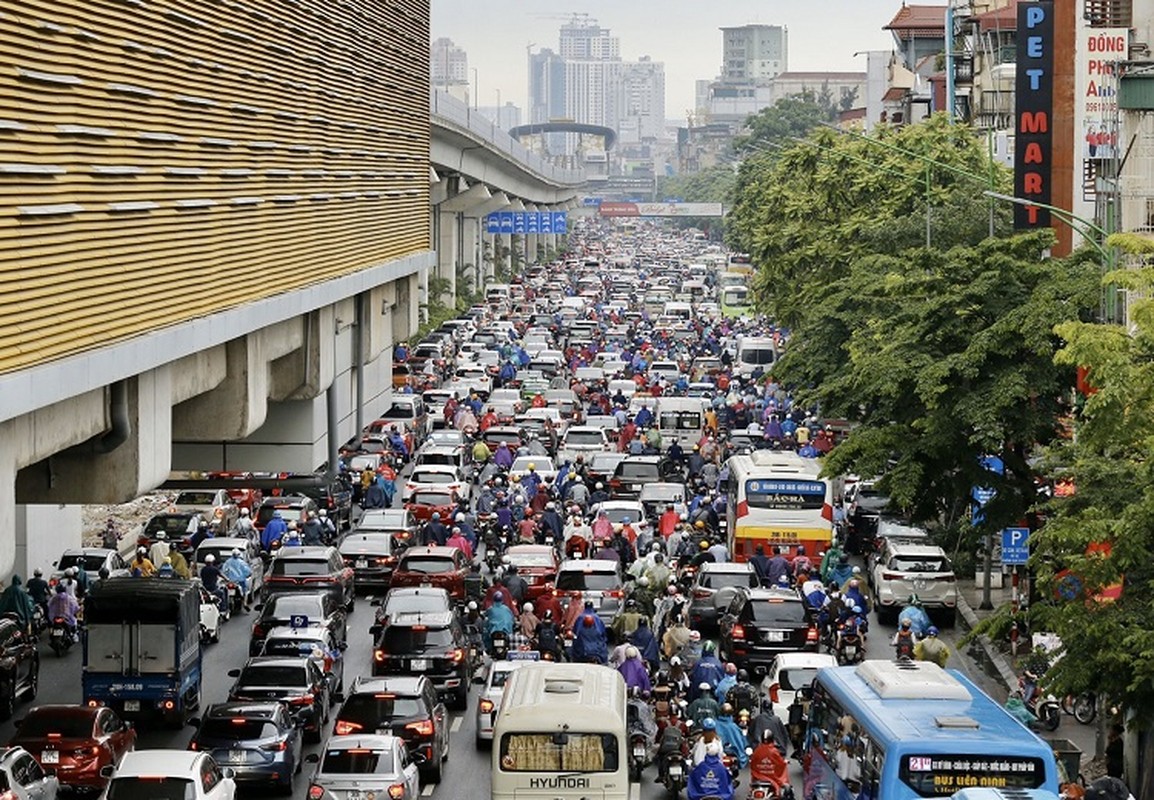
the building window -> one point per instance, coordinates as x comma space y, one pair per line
1110, 13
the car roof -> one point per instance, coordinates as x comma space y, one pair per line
226, 541
413, 591
276, 661
87, 551
409, 619
644, 459
306, 552
900, 547
307, 632
589, 565
727, 566
802, 660
138, 763
770, 593
430, 550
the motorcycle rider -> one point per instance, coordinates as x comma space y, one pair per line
704, 708
210, 579
498, 617
634, 671
236, 570
768, 723
63, 606
1037, 665
38, 589
708, 669
743, 694
768, 765
932, 648
244, 528
159, 550
589, 640
328, 528
732, 737
179, 562
905, 640
548, 636
142, 564
274, 531
710, 777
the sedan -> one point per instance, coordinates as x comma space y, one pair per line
260, 742
433, 476
24, 779
93, 559
170, 773
371, 557
365, 766
75, 741
297, 682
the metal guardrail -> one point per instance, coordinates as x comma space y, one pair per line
457, 113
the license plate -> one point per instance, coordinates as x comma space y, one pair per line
675, 770
775, 636
638, 751
50, 757
362, 563
352, 794
57, 632
237, 756
131, 705
419, 664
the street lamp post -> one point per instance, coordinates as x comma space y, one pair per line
474, 88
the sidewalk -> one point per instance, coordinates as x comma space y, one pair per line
1001, 669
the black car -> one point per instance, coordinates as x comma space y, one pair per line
760, 623
403, 706
409, 599
370, 555
429, 644
866, 510
311, 569
299, 683
636, 471
260, 742
331, 494
317, 608
19, 667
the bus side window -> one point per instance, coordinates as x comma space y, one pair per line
871, 773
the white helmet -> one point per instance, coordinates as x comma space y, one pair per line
209, 559
236, 552
244, 511
527, 607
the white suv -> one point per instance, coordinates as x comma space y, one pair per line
905, 568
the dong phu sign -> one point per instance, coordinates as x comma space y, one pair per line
1034, 112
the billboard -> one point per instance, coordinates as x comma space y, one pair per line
1033, 113
1098, 51
635, 209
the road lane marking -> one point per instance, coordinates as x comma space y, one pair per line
428, 790
635, 791
456, 726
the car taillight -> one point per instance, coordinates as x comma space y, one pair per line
773, 692
316, 792
811, 635
614, 593
344, 727
485, 706
457, 655
193, 745
422, 728
275, 747
378, 655
701, 594
258, 631
737, 631
303, 700
891, 576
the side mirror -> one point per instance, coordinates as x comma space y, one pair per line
304, 716
107, 771
234, 673
417, 759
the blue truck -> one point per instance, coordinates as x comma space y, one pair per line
142, 653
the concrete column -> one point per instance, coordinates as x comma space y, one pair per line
42, 533
471, 249
450, 239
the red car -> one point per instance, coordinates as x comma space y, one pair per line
444, 567
424, 502
76, 741
537, 564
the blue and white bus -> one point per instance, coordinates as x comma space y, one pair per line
885, 730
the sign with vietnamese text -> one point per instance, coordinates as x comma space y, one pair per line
669, 209
1015, 546
1033, 112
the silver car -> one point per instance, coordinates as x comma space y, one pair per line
21, 778
354, 767
490, 698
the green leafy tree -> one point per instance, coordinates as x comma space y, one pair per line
1109, 646
785, 119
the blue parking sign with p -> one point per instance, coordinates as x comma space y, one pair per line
1015, 545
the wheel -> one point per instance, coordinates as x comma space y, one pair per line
214, 637
1085, 708
435, 774
58, 648
1050, 716
33, 682
887, 616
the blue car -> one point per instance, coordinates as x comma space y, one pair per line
260, 742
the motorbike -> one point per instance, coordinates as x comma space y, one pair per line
850, 650
638, 754
500, 645
798, 716
675, 770
904, 649
1044, 706
60, 636
1083, 707
39, 622
235, 597
767, 790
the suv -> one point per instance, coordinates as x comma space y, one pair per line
429, 644
310, 569
760, 623
404, 706
171, 773
905, 568
299, 683
445, 567
371, 557
19, 666
318, 608
713, 588
425, 599
632, 474
592, 579
332, 495
292, 508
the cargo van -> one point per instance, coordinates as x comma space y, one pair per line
754, 352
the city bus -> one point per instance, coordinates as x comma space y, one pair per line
739, 262
735, 301
560, 730
886, 730
776, 497
727, 279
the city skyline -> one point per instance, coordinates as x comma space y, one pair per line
691, 50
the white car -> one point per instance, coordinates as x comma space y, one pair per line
490, 697
620, 510
24, 779
542, 465
186, 774
370, 765
790, 672
669, 370
582, 440
435, 476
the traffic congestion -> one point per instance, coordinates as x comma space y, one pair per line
589, 549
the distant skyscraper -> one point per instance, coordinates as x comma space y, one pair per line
642, 103
753, 53
546, 86
585, 40
448, 64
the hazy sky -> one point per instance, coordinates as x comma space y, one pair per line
823, 36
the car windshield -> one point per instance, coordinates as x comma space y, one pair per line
429, 476
919, 564
46, 722
355, 761
286, 675
196, 498
287, 605
618, 515
297, 567
92, 563
171, 524
574, 580
797, 678
377, 544
584, 438
238, 729
726, 580
151, 788
407, 603
287, 513
432, 498
428, 565
773, 612
416, 638
634, 471
399, 412
680, 420
372, 711
758, 356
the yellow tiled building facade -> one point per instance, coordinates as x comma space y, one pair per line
162, 160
